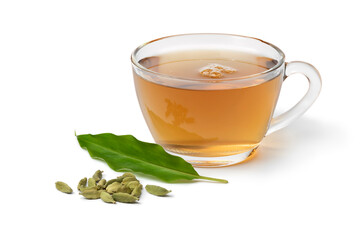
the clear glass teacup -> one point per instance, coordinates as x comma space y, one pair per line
210, 98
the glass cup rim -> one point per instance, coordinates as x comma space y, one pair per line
247, 77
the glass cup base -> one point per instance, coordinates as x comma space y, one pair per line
216, 161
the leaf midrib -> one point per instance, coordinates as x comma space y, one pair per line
110, 150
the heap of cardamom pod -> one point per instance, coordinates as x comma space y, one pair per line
125, 188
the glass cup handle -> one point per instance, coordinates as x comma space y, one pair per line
313, 76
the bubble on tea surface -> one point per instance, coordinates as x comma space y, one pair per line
215, 70
213, 73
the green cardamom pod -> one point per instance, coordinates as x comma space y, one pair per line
112, 181
132, 184
156, 190
82, 184
97, 175
129, 179
91, 182
106, 197
124, 197
114, 187
101, 183
137, 191
124, 188
128, 174
91, 193
63, 187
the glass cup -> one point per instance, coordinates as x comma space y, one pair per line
211, 121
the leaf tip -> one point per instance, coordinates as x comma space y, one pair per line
214, 179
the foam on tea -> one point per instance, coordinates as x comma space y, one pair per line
224, 117
215, 70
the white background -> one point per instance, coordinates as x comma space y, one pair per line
65, 66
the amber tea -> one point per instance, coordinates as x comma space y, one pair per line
209, 110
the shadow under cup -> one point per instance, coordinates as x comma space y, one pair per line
209, 121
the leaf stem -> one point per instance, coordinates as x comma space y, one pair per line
213, 179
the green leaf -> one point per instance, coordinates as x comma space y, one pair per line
125, 152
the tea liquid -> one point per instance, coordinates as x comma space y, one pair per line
215, 115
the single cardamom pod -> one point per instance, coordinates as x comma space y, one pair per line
129, 179
132, 184
63, 187
114, 187
82, 184
106, 197
112, 181
101, 183
124, 188
128, 174
91, 182
97, 175
137, 191
124, 197
120, 178
156, 190
91, 193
